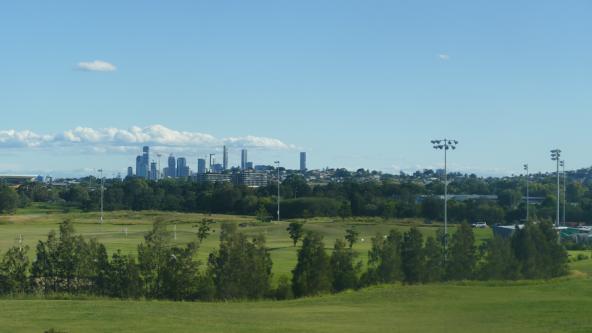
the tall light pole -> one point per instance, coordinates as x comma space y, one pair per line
527, 191
564, 190
445, 144
556, 156
277, 163
102, 190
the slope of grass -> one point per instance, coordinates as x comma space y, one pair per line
556, 306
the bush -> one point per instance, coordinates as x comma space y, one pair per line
295, 208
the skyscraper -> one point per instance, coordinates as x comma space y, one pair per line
146, 162
225, 158
303, 162
201, 166
139, 166
244, 159
172, 168
182, 168
153, 171
130, 171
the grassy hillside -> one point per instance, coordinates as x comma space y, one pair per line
556, 306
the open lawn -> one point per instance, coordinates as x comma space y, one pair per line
536, 306
555, 306
35, 223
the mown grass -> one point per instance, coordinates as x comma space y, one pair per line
555, 306
34, 223
526, 306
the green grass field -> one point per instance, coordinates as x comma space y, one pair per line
35, 223
556, 306
553, 306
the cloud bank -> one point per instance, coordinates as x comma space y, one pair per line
122, 140
96, 66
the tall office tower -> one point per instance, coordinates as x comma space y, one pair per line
201, 166
249, 166
172, 169
302, 162
146, 161
130, 171
153, 171
244, 159
182, 169
225, 158
139, 167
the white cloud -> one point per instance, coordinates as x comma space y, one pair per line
443, 56
125, 140
96, 66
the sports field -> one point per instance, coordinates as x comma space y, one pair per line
536, 306
35, 223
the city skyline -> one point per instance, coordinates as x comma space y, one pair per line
357, 86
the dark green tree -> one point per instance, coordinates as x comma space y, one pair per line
351, 236
153, 256
124, 277
499, 262
345, 210
384, 259
9, 200
462, 255
13, 270
343, 270
295, 230
203, 229
262, 214
240, 269
413, 257
312, 274
434, 260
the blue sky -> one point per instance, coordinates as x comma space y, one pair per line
354, 83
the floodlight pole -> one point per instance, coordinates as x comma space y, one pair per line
102, 190
527, 191
445, 144
277, 163
564, 190
446, 197
556, 156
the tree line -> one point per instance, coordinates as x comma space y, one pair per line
241, 267
401, 197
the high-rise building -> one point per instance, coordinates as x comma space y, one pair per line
139, 167
182, 168
172, 167
303, 162
244, 159
153, 171
201, 166
130, 171
225, 158
146, 162
249, 166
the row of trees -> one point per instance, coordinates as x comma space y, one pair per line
531, 253
391, 197
241, 268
